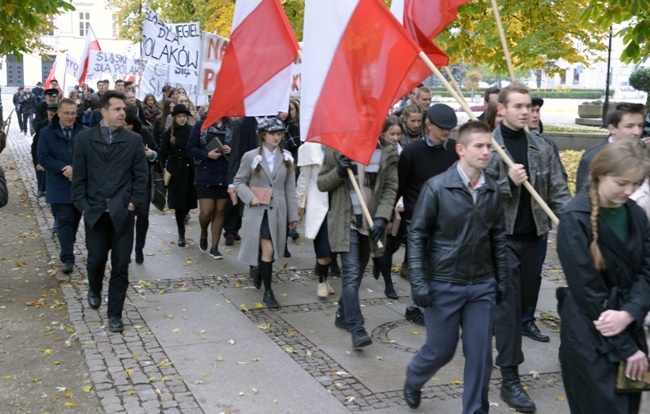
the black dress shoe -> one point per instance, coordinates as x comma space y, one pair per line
513, 393
257, 276
94, 300
67, 267
339, 322
412, 396
390, 293
414, 315
294, 234
181, 242
361, 338
532, 331
115, 324
139, 256
269, 300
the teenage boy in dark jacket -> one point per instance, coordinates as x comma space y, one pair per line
458, 268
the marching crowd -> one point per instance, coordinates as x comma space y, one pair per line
475, 239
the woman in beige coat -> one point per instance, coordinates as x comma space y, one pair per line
265, 170
316, 205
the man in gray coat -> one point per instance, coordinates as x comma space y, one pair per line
108, 185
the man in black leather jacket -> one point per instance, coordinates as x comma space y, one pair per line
458, 268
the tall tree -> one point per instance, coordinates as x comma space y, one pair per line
633, 15
23, 22
537, 32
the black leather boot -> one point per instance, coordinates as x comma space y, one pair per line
513, 393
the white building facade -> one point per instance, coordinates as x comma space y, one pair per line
68, 36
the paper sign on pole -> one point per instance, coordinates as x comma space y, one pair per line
213, 48
72, 66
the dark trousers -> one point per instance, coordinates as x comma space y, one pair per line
142, 219
66, 218
21, 123
353, 264
232, 219
529, 314
523, 265
470, 307
101, 238
40, 180
28, 122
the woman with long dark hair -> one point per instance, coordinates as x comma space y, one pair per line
209, 149
133, 123
181, 195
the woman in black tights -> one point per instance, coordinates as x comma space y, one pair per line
181, 194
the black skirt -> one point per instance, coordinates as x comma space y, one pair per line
214, 192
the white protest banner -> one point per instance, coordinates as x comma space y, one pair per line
213, 48
189, 32
72, 66
114, 64
296, 77
156, 75
161, 42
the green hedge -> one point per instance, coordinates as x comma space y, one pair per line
542, 93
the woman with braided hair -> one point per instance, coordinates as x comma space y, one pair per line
603, 243
266, 184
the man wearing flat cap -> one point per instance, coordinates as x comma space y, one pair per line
51, 96
421, 160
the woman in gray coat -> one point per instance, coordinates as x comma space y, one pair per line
265, 182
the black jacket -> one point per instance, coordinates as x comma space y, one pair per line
582, 176
452, 239
244, 139
4, 194
108, 176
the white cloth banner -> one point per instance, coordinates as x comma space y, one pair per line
115, 64
213, 48
174, 45
156, 75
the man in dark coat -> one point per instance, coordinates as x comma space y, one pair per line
55, 149
18, 107
624, 121
51, 96
110, 178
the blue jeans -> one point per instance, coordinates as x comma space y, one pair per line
67, 222
529, 314
353, 264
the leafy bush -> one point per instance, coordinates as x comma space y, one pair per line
640, 80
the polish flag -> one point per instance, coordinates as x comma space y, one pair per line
424, 20
91, 44
355, 59
255, 75
50, 77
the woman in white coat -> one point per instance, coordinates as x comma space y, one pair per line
316, 205
266, 184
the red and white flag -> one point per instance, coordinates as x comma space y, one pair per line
355, 59
255, 75
91, 44
424, 20
50, 77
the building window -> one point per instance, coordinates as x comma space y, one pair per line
563, 77
116, 28
576, 76
84, 23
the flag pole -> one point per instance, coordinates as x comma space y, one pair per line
451, 77
502, 35
495, 145
362, 202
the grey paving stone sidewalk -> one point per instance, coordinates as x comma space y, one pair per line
197, 339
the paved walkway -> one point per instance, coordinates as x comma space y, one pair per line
198, 340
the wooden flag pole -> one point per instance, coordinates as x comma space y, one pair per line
363, 203
495, 144
502, 35
451, 77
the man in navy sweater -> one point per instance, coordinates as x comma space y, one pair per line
421, 160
